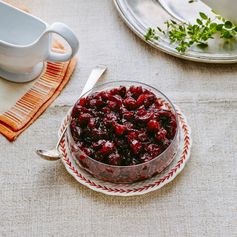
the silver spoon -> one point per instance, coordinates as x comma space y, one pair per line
55, 154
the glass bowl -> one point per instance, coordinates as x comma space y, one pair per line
133, 173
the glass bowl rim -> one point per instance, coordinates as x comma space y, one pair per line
125, 81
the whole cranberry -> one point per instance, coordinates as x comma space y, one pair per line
83, 102
144, 118
130, 103
96, 134
114, 159
153, 126
112, 105
107, 148
111, 116
114, 91
107, 122
78, 131
146, 99
87, 151
132, 135
166, 143
145, 157
92, 123
141, 111
142, 136
92, 103
117, 99
154, 150
136, 91
76, 110
164, 114
136, 146
122, 91
158, 104
106, 110
128, 115
149, 100
161, 134
129, 126
141, 99
171, 133
104, 95
119, 129
83, 119
98, 144
73, 125
99, 103
173, 122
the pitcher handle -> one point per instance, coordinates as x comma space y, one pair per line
65, 32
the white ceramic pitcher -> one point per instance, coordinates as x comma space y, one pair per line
25, 43
225, 8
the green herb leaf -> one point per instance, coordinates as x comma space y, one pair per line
199, 21
226, 34
219, 27
149, 35
202, 45
174, 22
228, 24
159, 29
203, 15
213, 25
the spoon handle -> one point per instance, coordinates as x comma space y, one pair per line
95, 75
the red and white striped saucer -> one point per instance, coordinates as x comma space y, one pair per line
137, 188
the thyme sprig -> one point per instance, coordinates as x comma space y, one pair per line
186, 34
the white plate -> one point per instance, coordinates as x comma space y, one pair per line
137, 188
139, 15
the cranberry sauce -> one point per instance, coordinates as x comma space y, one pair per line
122, 126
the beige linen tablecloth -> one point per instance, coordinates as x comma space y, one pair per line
39, 198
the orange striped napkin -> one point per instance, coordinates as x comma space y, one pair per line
35, 101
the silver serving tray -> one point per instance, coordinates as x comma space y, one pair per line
139, 15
